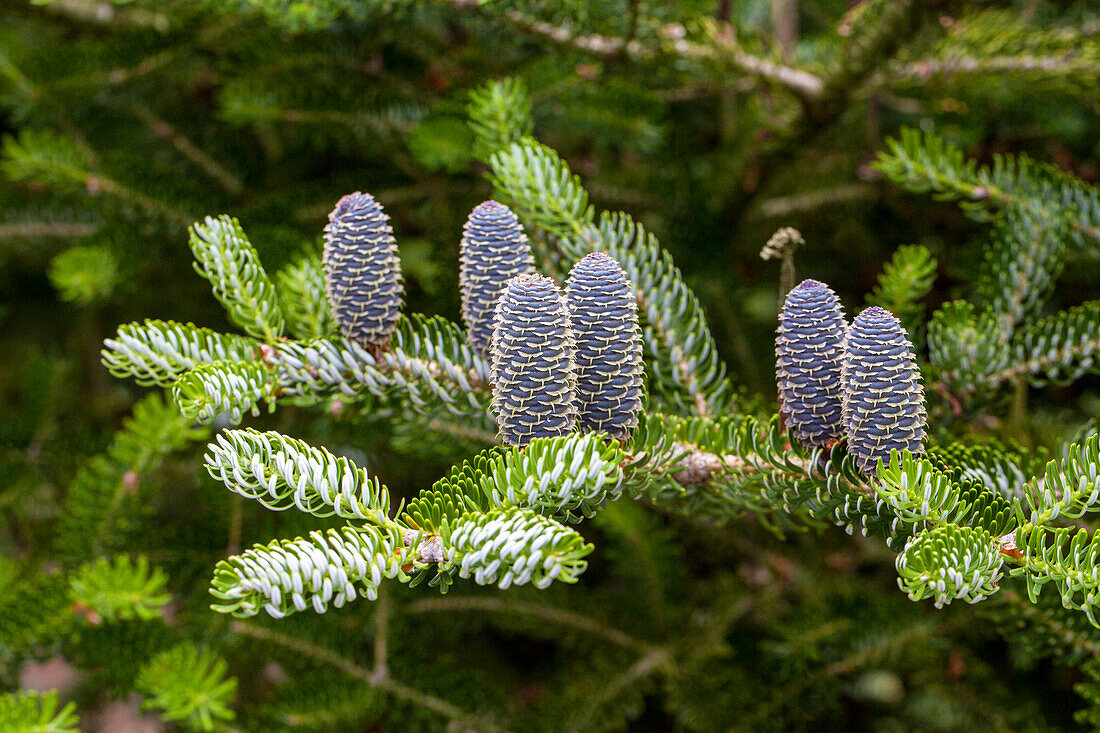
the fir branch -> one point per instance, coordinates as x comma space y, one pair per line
499, 114
970, 352
1052, 630
428, 360
868, 34
92, 516
244, 104
46, 157
120, 588
37, 712
1067, 65
1001, 469
720, 49
506, 548
85, 274
310, 371
1021, 264
431, 358
390, 686
594, 43
915, 490
1064, 556
785, 206
43, 156
281, 472
993, 41
924, 162
189, 684
224, 387
301, 288
949, 562
724, 52
1090, 690
721, 468
453, 496
207, 163
918, 491
37, 229
538, 185
1069, 490
974, 353
10, 70
34, 611
541, 613
286, 576
114, 77
865, 39
654, 661
1060, 348
159, 352
905, 280
569, 477
107, 13
225, 257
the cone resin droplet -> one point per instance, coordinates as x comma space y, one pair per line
362, 271
608, 351
809, 359
531, 362
494, 249
883, 395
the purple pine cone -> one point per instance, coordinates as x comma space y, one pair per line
809, 358
362, 272
608, 353
883, 395
531, 362
494, 249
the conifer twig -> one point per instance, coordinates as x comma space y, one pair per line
561, 616
163, 129
649, 663
810, 200
32, 229
926, 68
871, 45
799, 81
94, 183
386, 684
13, 72
117, 76
108, 13
882, 646
725, 49
381, 670
1024, 610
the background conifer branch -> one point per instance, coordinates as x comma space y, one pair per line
389, 685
